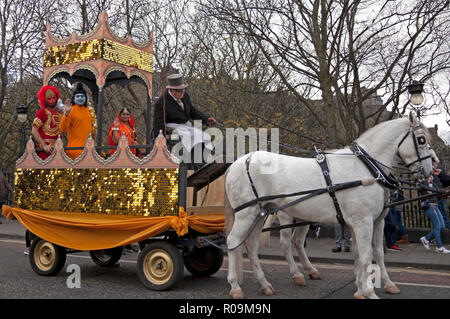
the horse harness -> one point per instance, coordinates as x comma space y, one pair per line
330, 189
322, 161
421, 140
388, 181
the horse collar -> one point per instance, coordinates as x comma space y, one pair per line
375, 170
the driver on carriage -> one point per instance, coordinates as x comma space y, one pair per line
174, 110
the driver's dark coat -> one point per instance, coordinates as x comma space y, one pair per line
174, 112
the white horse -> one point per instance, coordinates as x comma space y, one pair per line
362, 206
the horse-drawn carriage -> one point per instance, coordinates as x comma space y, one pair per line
99, 205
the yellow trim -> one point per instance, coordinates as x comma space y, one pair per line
83, 231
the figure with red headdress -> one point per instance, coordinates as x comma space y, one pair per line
123, 124
45, 129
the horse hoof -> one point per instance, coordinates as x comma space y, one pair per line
299, 280
392, 289
359, 295
314, 275
237, 294
268, 290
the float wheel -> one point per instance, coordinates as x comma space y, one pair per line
160, 265
46, 258
204, 261
106, 257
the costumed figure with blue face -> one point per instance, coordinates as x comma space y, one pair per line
78, 121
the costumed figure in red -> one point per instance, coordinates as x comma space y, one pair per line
45, 129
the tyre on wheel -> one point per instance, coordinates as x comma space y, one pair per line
106, 257
160, 265
204, 261
46, 258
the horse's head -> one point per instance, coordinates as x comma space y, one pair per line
414, 149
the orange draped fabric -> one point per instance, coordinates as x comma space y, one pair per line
87, 231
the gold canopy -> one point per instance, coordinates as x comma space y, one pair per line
101, 52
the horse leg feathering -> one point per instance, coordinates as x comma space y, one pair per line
363, 237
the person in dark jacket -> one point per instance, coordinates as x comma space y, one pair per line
431, 208
176, 106
442, 180
175, 110
443, 176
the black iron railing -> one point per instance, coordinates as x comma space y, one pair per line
412, 215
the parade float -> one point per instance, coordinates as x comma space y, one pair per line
99, 204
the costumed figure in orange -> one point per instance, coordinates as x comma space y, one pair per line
45, 128
78, 121
123, 124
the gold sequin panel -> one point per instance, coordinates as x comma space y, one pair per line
144, 192
73, 53
116, 52
98, 49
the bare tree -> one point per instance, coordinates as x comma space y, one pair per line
234, 82
22, 25
170, 31
440, 94
346, 51
84, 15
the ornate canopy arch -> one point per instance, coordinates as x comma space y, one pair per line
98, 59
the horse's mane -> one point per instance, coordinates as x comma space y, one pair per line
381, 125
371, 131
403, 120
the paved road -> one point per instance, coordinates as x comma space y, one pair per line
17, 280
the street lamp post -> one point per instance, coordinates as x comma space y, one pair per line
416, 98
22, 111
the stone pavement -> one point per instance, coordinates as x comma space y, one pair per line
317, 249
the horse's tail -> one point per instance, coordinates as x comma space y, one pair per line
229, 222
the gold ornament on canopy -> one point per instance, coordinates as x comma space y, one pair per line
97, 52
